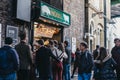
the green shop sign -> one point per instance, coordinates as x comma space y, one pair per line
49, 12
113, 2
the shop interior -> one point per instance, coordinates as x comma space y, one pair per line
47, 32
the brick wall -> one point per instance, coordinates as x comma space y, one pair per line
6, 17
76, 9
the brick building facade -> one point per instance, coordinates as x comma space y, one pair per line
6, 17
77, 11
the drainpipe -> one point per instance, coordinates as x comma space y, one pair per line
105, 27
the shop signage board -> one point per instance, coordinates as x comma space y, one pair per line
73, 44
113, 2
12, 32
44, 31
52, 13
23, 10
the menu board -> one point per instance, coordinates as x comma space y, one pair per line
44, 31
12, 32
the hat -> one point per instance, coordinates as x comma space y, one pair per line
116, 39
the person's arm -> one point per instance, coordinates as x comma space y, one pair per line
114, 64
52, 55
90, 61
15, 59
30, 54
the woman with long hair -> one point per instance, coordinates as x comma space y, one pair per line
104, 66
57, 67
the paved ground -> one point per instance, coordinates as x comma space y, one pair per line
75, 77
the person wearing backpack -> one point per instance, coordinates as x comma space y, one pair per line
9, 61
85, 62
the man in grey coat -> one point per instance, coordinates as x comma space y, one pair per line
24, 52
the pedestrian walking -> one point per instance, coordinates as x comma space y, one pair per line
76, 62
116, 56
9, 61
96, 52
104, 66
25, 55
85, 63
43, 62
67, 62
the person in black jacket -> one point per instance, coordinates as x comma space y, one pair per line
42, 61
76, 61
116, 55
85, 63
96, 52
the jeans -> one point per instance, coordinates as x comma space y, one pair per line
84, 76
66, 71
8, 77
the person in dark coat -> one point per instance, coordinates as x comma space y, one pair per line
116, 55
9, 61
104, 66
96, 52
75, 62
42, 61
85, 62
25, 56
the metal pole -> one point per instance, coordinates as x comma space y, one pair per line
105, 27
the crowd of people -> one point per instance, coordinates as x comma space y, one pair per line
53, 61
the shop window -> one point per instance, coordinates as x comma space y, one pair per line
42, 30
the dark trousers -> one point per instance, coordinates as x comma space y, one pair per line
118, 73
74, 68
23, 75
44, 79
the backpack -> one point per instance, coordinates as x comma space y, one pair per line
86, 64
5, 59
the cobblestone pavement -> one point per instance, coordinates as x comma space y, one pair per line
76, 77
